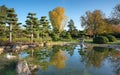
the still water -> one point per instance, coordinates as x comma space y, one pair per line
70, 60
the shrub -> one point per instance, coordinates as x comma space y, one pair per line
55, 37
68, 36
3, 39
100, 40
37, 40
111, 38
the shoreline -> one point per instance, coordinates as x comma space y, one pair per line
19, 47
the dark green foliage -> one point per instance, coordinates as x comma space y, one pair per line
63, 34
117, 35
44, 27
55, 37
3, 16
111, 38
72, 29
68, 36
100, 40
8, 67
32, 25
12, 21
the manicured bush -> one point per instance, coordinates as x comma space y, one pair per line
100, 40
111, 38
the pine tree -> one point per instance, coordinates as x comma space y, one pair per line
11, 20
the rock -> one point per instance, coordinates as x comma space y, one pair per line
24, 46
22, 68
10, 56
33, 67
1, 50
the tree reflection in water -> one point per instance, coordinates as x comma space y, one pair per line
46, 56
96, 56
58, 59
116, 63
52, 58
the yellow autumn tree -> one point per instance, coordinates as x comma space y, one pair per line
58, 19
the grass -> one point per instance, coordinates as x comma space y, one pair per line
115, 43
63, 42
88, 40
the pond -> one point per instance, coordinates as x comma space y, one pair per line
69, 60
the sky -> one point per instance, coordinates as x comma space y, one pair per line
74, 9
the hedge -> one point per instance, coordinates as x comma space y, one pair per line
100, 40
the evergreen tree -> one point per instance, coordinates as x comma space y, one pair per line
72, 29
45, 27
31, 25
3, 16
11, 20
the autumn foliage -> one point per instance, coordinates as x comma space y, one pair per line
59, 59
116, 28
95, 23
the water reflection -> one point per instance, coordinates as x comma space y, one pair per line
72, 60
115, 60
48, 56
58, 59
96, 56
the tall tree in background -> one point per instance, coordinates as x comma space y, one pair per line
72, 29
30, 24
71, 25
3, 16
95, 22
58, 19
11, 20
115, 18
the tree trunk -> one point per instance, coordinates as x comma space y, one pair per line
38, 36
10, 33
31, 34
31, 37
